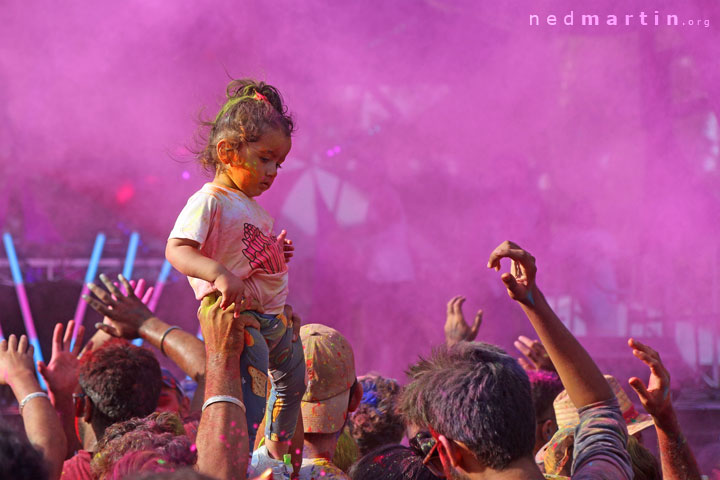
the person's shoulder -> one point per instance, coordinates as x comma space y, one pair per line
215, 191
77, 467
321, 469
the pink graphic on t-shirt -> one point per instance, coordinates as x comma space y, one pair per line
262, 251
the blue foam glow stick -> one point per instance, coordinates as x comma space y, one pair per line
89, 277
159, 285
130, 256
23, 300
129, 263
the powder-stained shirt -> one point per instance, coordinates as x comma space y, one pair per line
600, 450
77, 467
234, 230
311, 468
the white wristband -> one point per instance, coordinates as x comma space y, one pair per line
223, 398
30, 397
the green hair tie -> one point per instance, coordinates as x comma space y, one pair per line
247, 94
228, 105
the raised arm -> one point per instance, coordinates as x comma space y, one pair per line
582, 379
222, 439
678, 461
42, 424
61, 376
126, 316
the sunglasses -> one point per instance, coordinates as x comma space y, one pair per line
427, 447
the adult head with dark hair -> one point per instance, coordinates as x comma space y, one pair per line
391, 462
377, 420
160, 433
19, 460
118, 381
476, 401
544, 387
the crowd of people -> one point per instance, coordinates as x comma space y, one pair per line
469, 410
277, 399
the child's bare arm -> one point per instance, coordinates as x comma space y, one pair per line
183, 254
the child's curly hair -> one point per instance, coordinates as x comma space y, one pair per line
251, 107
377, 421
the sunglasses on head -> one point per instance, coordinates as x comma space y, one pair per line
427, 447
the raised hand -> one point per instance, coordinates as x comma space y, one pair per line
61, 374
16, 359
124, 314
286, 245
456, 330
521, 282
656, 396
536, 357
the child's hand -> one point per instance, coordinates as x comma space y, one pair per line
286, 245
232, 289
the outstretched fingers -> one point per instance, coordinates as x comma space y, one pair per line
148, 295
457, 305
128, 288
476, 325
67, 338
649, 357
57, 339
139, 287
97, 305
103, 295
451, 304
22, 344
114, 291
506, 249
77, 348
109, 329
639, 388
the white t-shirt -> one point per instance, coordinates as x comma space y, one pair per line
234, 230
